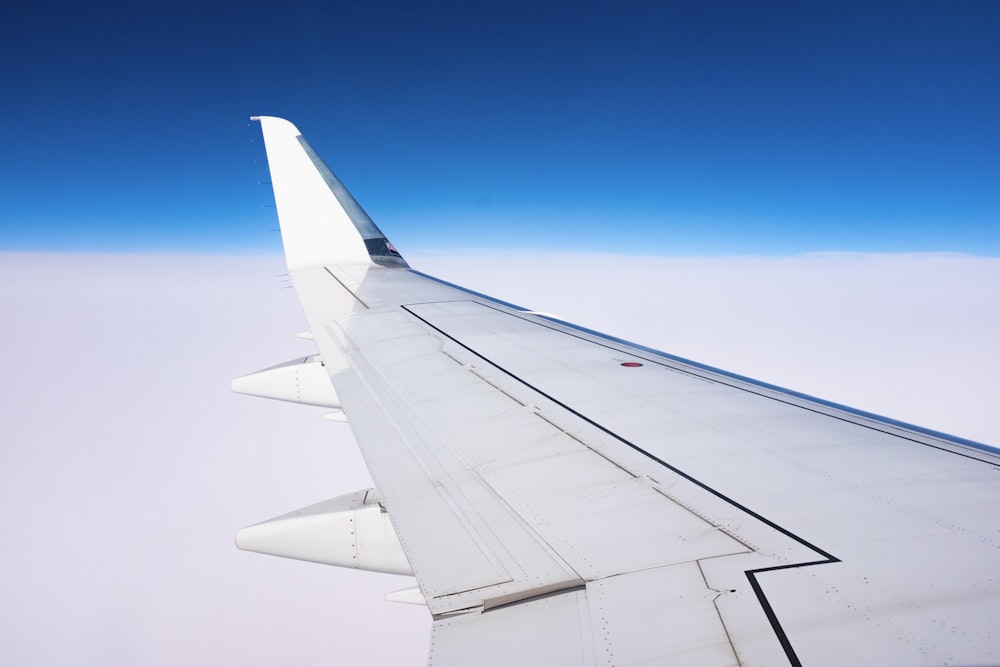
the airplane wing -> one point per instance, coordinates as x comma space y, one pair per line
563, 497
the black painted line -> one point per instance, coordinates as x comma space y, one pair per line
772, 618
752, 575
621, 439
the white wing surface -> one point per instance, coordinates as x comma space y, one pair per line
567, 498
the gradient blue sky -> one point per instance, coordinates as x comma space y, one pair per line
668, 128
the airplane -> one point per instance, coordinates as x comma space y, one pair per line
564, 497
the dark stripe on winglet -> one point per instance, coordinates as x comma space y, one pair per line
379, 248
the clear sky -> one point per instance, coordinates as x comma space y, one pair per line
668, 128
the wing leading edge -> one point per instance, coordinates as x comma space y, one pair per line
567, 498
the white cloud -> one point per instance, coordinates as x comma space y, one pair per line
126, 464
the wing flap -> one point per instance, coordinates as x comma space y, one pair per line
662, 616
445, 552
554, 631
543, 510
465, 545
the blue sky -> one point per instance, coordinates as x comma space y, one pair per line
668, 128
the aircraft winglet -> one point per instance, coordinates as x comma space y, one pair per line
321, 223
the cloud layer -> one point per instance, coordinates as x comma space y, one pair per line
126, 464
